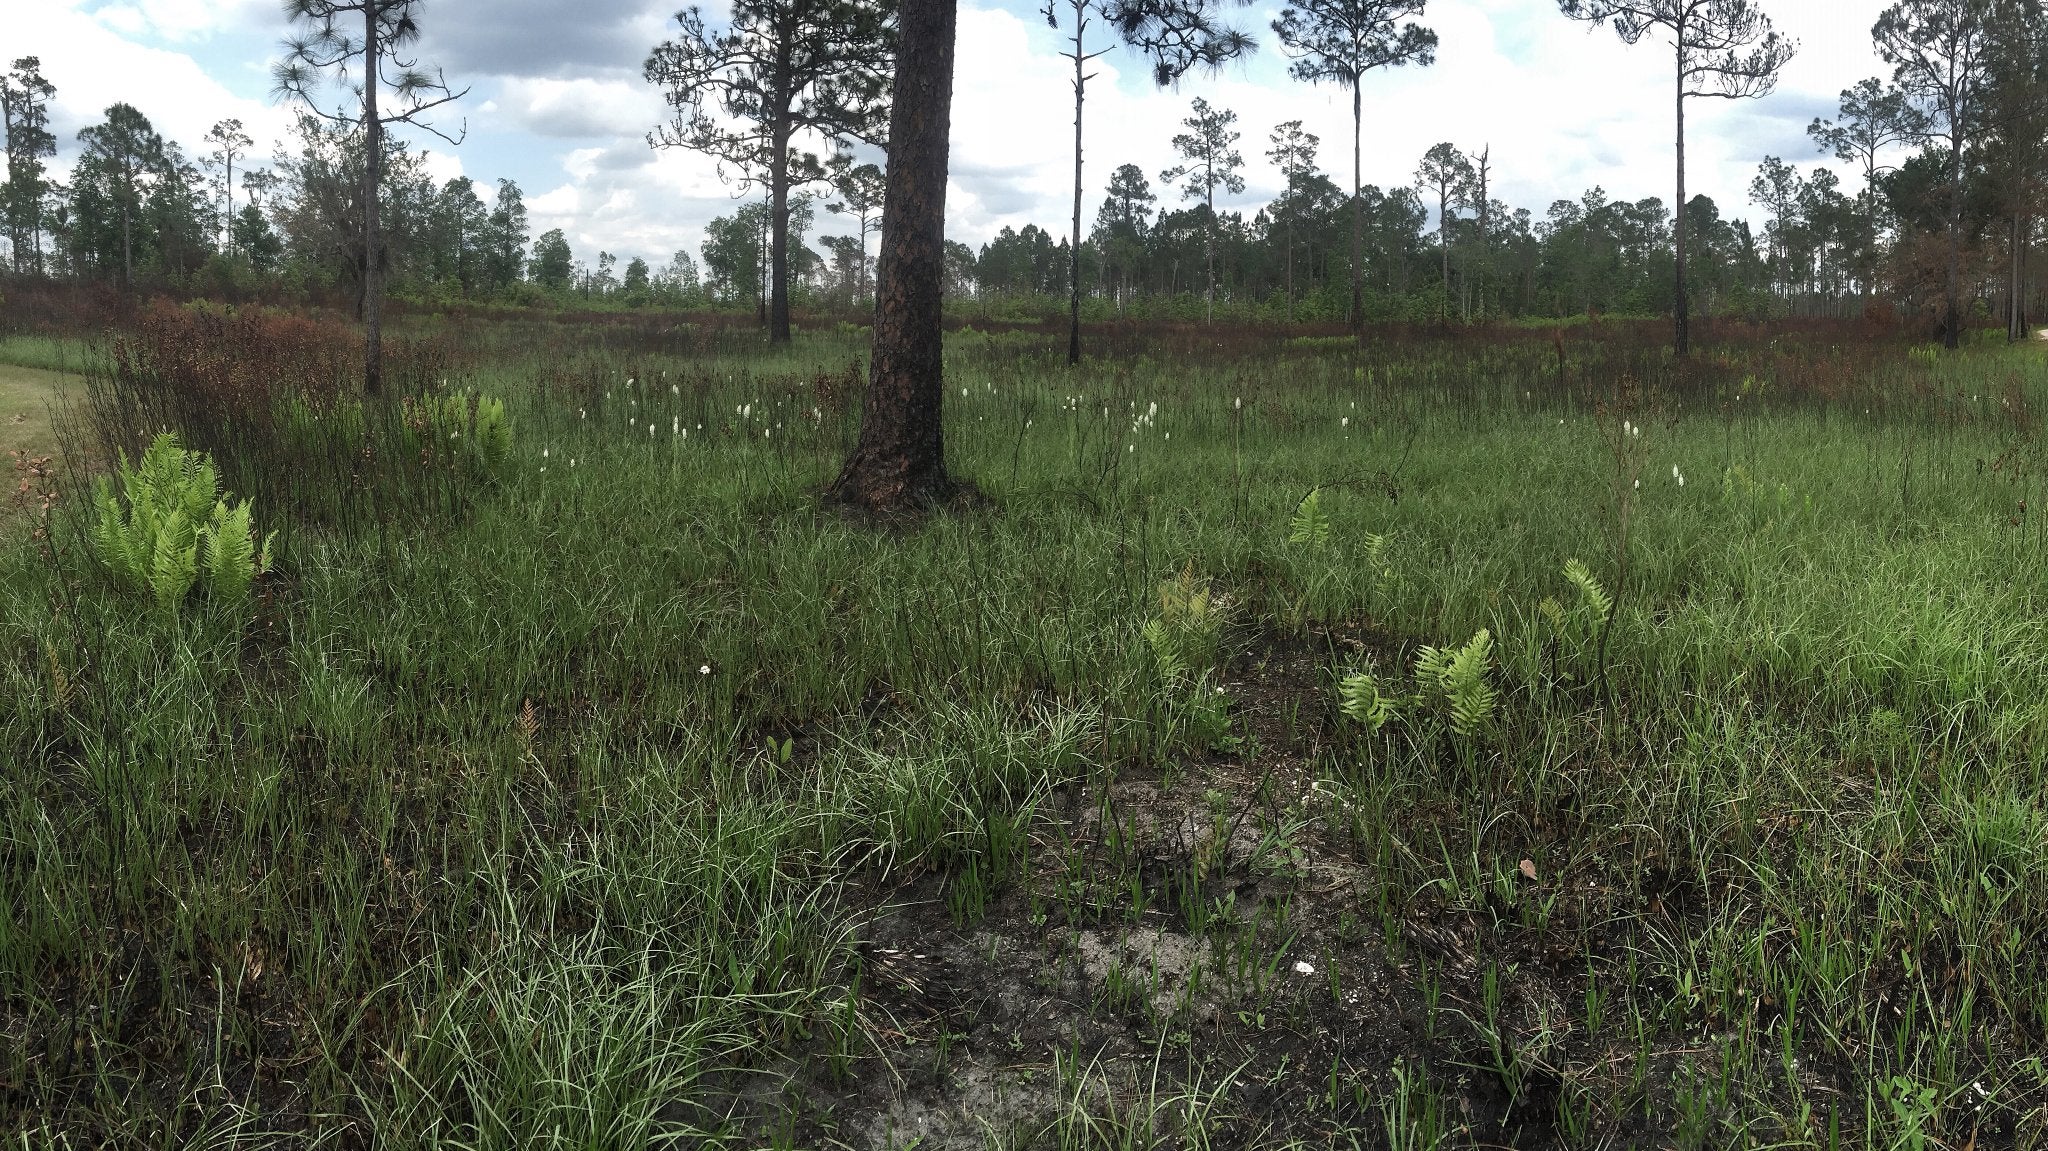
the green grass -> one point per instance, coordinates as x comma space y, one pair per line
45, 353
27, 398
575, 817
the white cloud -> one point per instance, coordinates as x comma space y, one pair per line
1564, 107
180, 20
93, 66
573, 109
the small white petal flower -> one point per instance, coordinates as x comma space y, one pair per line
1304, 967
705, 670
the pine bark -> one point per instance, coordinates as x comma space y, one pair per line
373, 154
899, 463
1357, 211
1681, 322
1074, 255
778, 246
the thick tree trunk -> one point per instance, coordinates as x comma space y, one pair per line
778, 245
1357, 213
373, 155
1681, 338
1074, 254
900, 463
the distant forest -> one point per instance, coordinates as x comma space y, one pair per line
213, 217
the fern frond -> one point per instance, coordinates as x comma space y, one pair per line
1457, 676
1592, 596
1166, 649
230, 552
1376, 547
1472, 698
1309, 527
1431, 664
493, 434
174, 566
1360, 699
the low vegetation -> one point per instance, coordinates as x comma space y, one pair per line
1512, 741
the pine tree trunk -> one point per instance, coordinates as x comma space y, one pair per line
778, 245
1357, 213
1080, 91
1681, 338
1443, 241
900, 463
1209, 253
2016, 317
1952, 337
373, 155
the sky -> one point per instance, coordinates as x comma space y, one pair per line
556, 102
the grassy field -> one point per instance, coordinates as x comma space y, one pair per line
1506, 741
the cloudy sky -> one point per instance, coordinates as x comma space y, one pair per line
557, 103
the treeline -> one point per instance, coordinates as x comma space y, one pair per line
142, 209
1822, 248
1952, 222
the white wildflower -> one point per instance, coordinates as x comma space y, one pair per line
1304, 967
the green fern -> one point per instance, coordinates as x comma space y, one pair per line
1592, 597
1360, 698
174, 529
1309, 528
1457, 676
1376, 548
493, 441
472, 431
1185, 633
